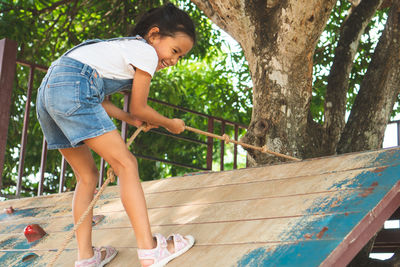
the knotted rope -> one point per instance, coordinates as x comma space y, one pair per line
110, 178
227, 140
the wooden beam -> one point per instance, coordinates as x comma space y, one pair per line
387, 240
8, 56
364, 231
395, 215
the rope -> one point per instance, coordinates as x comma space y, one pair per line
110, 178
227, 140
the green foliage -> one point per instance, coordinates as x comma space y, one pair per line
195, 85
325, 52
46, 29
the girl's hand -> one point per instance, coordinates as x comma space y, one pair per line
135, 122
176, 126
149, 127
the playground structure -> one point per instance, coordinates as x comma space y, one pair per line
276, 215
9, 63
317, 212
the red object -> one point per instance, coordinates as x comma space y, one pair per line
34, 232
9, 210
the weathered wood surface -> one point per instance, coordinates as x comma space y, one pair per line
293, 214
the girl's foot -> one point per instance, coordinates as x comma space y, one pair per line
101, 257
166, 250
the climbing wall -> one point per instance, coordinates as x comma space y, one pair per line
316, 212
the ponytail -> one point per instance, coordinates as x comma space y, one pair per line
169, 19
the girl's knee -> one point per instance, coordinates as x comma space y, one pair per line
88, 176
124, 163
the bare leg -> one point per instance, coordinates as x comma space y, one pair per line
112, 148
86, 173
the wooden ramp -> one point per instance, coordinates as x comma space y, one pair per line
318, 212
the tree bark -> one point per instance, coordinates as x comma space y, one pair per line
378, 92
338, 79
278, 39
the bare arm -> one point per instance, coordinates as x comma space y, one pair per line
115, 112
139, 109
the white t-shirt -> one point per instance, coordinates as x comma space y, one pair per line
116, 59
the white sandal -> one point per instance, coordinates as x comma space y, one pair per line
160, 255
96, 261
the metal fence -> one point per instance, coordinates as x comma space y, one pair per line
9, 63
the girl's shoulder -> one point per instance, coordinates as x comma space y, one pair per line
138, 54
136, 45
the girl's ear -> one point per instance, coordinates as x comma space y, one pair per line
153, 33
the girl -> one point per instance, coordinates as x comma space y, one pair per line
75, 118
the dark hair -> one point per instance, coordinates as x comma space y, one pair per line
169, 19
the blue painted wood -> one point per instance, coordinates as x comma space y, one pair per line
354, 205
304, 237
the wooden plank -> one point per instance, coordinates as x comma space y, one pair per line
264, 231
281, 171
366, 228
209, 196
199, 256
342, 226
265, 216
202, 195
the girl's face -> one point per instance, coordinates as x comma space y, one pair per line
169, 49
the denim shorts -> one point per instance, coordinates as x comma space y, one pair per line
68, 104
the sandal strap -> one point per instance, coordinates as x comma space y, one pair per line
96, 259
179, 241
93, 261
157, 253
109, 250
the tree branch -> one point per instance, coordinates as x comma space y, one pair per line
53, 6
338, 79
34, 10
208, 7
381, 86
229, 16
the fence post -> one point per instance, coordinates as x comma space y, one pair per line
222, 146
210, 143
398, 133
8, 57
235, 147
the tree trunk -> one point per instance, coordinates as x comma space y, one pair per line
278, 41
338, 79
378, 92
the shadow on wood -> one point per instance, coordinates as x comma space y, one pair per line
318, 212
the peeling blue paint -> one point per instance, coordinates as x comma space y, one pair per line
348, 208
34, 212
12, 228
17, 242
14, 259
20, 213
68, 227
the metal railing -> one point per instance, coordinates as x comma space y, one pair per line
8, 63
211, 120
